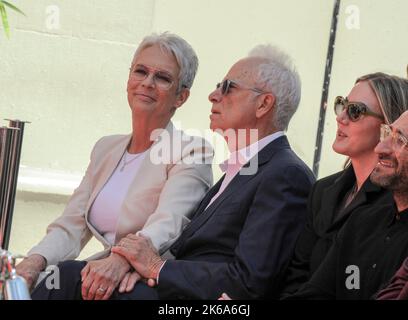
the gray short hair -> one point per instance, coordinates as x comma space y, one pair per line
276, 73
182, 51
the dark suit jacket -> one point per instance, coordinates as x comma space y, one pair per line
242, 243
323, 224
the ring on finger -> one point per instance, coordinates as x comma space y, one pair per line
101, 290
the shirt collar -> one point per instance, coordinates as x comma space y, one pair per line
397, 216
242, 156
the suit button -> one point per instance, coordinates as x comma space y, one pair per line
374, 265
387, 239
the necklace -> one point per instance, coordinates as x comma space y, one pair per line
125, 163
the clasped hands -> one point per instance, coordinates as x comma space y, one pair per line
101, 277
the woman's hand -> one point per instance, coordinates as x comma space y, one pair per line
101, 277
30, 268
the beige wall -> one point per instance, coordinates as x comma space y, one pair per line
70, 81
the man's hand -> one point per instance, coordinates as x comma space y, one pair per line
141, 254
128, 282
30, 268
224, 296
101, 277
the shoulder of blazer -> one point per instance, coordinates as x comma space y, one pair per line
270, 151
279, 154
329, 184
106, 145
180, 146
196, 143
280, 163
328, 181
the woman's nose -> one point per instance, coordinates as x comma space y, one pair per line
342, 117
149, 80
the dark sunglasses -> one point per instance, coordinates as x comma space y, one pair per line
227, 84
355, 110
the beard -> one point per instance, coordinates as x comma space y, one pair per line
395, 181
383, 180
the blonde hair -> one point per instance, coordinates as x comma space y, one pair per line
392, 94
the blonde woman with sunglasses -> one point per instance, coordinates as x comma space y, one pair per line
375, 99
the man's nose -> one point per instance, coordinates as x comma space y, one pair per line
384, 146
215, 96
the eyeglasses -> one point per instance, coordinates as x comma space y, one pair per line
227, 84
162, 79
355, 110
399, 141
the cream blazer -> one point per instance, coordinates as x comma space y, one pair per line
173, 178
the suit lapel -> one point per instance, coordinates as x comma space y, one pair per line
236, 184
233, 188
200, 209
331, 196
360, 199
207, 198
105, 170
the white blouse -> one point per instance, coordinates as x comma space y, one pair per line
105, 210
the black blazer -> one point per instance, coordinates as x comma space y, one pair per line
323, 224
242, 243
365, 254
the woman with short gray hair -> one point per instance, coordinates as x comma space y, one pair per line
128, 188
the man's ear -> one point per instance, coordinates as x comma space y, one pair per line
265, 105
182, 97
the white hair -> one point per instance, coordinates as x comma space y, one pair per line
276, 73
180, 49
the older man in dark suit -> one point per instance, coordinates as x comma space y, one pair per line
243, 233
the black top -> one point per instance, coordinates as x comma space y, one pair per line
325, 218
366, 254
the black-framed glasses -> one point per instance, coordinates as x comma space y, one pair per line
355, 110
399, 141
162, 79
227, 84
